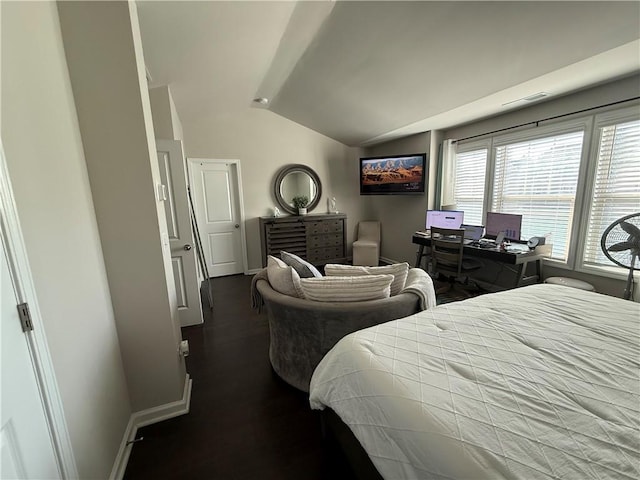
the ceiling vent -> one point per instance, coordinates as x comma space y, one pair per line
535, 97
531, 98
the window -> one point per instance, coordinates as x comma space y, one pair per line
569, 179
538, 179
616, 185
469, 185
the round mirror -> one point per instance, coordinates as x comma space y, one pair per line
293, 181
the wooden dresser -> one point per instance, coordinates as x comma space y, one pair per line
318, 238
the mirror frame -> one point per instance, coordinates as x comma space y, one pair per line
282, 173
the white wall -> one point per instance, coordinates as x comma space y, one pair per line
607, 93
104, 56
48, 171
176, 124
264, 142
166, 122
402, 215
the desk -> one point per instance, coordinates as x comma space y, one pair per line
521, 260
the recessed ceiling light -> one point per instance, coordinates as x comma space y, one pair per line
261, 100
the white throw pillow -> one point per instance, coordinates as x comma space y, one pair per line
304, 268
283, 278
347, 289
398, 270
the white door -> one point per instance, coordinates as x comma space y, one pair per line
215, 189
178, 213
25, 440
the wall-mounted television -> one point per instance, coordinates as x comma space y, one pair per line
393, 174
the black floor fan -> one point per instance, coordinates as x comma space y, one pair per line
620, 242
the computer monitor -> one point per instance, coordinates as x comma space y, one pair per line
473, 232
444, 219
508, 223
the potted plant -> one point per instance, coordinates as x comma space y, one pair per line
300, 202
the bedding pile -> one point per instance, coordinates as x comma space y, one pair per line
537, 382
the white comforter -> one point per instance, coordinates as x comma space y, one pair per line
537, 382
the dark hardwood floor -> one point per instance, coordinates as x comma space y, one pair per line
244, 422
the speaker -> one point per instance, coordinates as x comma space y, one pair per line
535, 241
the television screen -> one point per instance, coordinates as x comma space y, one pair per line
508, 223
444, 219
393, 175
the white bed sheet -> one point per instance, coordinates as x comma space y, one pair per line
537, 382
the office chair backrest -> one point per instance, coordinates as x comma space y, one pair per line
446, 250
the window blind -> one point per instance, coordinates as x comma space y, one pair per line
538, 179
469, 184
616, 187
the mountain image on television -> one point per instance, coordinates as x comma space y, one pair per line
392, 175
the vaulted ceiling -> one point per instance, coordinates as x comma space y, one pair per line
365, 72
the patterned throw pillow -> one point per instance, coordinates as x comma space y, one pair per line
304, 268
398, 270
283, 278
347, 289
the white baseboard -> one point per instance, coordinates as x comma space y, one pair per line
147, 417
253, 271
120, 465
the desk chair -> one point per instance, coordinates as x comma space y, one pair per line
366, 249
447, 258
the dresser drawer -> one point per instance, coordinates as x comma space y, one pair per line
326, 255
319, 239
329, 240
325, 226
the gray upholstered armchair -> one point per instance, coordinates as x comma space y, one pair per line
303, 331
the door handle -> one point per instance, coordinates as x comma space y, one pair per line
187, 247
237, 225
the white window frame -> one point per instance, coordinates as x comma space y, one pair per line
470, 147
583, 124
600, 120
590, 124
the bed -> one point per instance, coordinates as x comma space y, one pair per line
533, 383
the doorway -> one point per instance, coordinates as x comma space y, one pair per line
216, 187
34, 440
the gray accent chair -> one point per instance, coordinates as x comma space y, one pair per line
303, 331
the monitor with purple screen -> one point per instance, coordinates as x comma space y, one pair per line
444, 219
508, 223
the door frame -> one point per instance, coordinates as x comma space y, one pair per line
37, 345
235, 164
